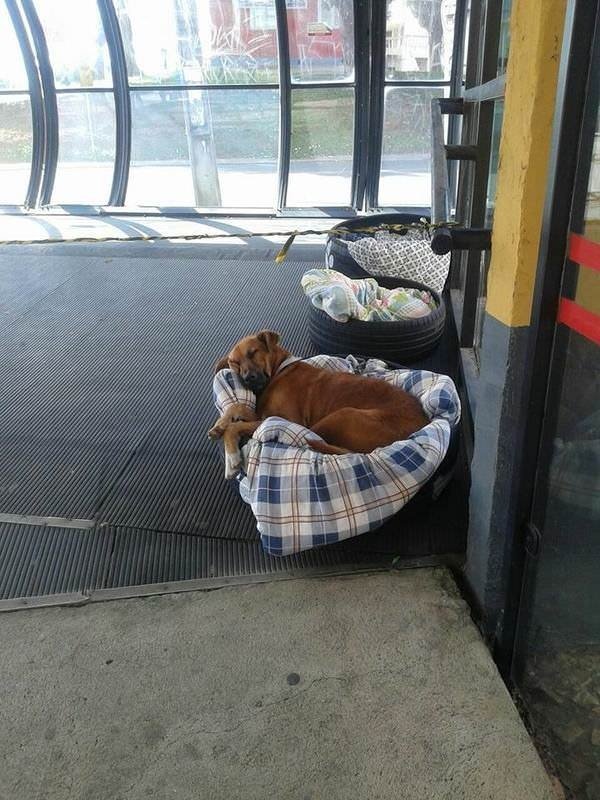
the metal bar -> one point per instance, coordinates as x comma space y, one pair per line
461, 152
9, 92
487, 68
361, 103
322, 84
184, 87
36, 103
445, 240
118, 64
456, 87
493, 89
452, 105
50, 105
377, 101
285, 103
439, 167
415, 83
48, 522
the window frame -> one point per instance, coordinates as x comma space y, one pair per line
369, 71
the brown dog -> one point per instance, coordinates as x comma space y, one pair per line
354, 414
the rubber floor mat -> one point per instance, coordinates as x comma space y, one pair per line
107, 367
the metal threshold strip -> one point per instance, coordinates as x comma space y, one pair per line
212, 584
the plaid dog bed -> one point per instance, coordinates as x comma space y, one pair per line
303, 499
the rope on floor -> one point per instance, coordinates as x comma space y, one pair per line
400, 228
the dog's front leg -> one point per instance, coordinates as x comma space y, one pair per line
235, 413
231, 439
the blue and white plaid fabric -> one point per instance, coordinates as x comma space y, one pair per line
303, 499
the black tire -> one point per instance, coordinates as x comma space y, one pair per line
402, 340
336, 254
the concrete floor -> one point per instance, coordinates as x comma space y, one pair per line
364, 687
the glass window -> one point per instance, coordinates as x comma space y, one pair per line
322, 41
504, 43
560, 628
204, 148
558, 644
419, 39
592, 208
76, 42
494, 161
15, 148
86, 148
12, 70
174, 45
322, 142
405, 178
263, 18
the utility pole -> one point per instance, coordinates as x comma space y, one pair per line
198, 120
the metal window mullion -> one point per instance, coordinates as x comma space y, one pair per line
36, 101
285, 103
377, 100
120, 80
361, 103
416, 82
50, 104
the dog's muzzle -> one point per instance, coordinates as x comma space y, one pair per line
255, 381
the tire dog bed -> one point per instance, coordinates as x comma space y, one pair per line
402, 340
303, 499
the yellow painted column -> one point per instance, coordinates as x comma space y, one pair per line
535, 45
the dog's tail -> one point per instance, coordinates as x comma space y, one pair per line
329, 449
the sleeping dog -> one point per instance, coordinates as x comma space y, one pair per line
352, 413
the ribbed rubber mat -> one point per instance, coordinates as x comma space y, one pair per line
107, 370
109, 388
36, 560
142, 557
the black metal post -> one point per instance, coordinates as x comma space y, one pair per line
50, 105
37, 106
118, 65
285, 103
361, 102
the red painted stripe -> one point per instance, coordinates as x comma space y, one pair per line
579, 319
584, 251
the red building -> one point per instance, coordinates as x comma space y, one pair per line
320, 31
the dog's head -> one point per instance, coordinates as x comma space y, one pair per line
255, 359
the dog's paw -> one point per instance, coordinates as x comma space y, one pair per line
219, 428
233, 464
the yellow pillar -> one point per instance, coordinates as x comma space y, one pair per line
535, 45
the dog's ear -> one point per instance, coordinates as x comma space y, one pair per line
270, 339
222, 363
